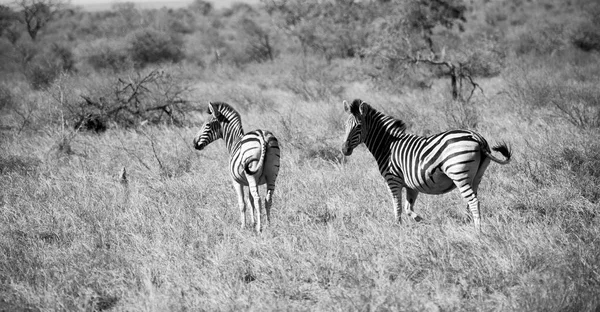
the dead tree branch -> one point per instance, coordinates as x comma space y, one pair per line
154, 97
457, 72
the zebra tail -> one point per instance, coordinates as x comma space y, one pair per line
261, 160
503, 149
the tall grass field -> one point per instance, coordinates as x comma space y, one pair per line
133, 218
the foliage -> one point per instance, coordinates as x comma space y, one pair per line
462, 114
577, 103
202, 7
485, 57
36, 14
312, 80
150, 96
6, 97
584, 164
586, 36
150, 46
105, 54
48, 65
543, 38
9, 21
259, 46
330, 29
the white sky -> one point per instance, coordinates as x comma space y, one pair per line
217, 3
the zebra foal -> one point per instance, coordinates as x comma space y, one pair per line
253, 158
430, 165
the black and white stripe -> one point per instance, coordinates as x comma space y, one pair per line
253, 157
430, 165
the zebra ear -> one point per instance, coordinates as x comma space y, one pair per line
212, 110
354, 108
363, 106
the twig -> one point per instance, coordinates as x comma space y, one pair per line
162, 168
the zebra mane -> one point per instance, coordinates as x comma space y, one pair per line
227, 112
394, 125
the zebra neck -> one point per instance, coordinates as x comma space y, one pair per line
382, 131
232, 135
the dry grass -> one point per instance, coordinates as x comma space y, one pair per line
75, 238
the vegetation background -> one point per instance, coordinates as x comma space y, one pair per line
86, 95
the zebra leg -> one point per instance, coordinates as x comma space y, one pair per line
251, 204
239, 189
257, 205
482, 167
268, 203
411, 197
396, 191
469, 195
475, 184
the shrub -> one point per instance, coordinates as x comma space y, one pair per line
526, 89
587, 36
147, 46
18, 164
461, 114
485, 58
313, 81
108, 55
6, 97
576, 102
47, 65
151, 96
544, 39
41, 74
584, 166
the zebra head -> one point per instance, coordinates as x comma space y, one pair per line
211, 130
354, 135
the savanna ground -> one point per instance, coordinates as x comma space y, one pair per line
76, 236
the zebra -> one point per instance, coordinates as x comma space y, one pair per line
430, 165
253, 157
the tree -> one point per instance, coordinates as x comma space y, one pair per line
202, 7
259, 40
334, 28
8, 24
406, 37
37, 13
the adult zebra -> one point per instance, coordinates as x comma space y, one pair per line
253, 157
432, 165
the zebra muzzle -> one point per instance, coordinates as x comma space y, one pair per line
345, 150
198, 146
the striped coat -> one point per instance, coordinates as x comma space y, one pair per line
254, 158
430, 165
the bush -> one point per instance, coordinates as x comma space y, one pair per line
148, 46
18, 164
587, 36
6, 97
584, 166
150, 96
485, 58
544, 39
108, 55
461, 114
313, 81
41, 74
47, 65
576, 102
